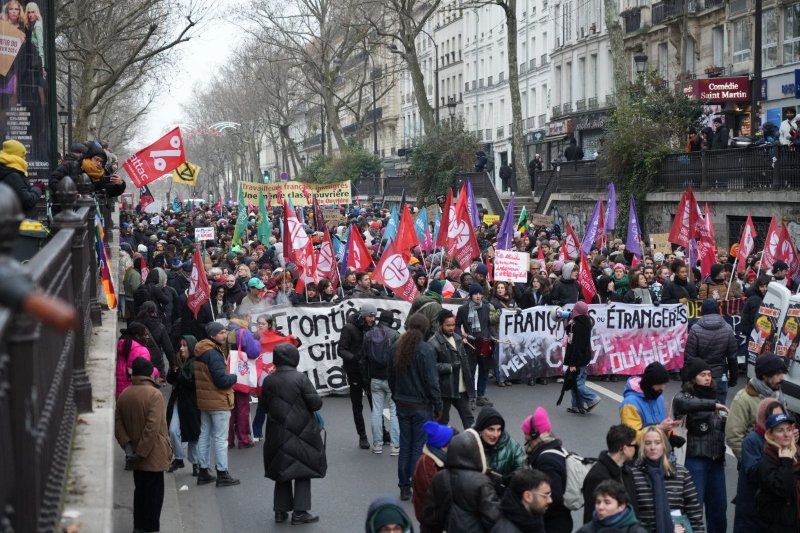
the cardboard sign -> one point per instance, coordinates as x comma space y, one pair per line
659, 242
333, 217
536, 219
511, 266
432, 209
489, 219
203, 234
11, 39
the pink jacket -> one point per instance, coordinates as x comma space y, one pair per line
123, 377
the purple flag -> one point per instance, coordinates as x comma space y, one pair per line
634, 243
506, 234
343, 268
611, 208
593, 230
472, 208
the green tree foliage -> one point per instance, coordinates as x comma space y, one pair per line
441, 155
353, 162
650, 123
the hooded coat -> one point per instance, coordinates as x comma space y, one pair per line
382, 503
566, 290
505, 457
750, 309
27, 194
293, 445
184, 394
636, 411
462, 497
212, 380
154, 290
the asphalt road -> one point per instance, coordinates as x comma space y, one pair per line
356, 477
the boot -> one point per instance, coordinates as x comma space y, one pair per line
205, 477
176, 464
363, 443
224, 479
303, 517
281, 516
195, 470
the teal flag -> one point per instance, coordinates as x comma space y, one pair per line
391, 227
421, 224
241, 221
264, 224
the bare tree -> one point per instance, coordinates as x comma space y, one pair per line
115, 46
616, 35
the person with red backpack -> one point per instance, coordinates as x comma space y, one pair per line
378, 343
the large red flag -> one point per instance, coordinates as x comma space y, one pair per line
392, 272
586, 282
302, 248
288, 251
680, 233
326, 260
406, 234
161, 157
789, 251
448, 214
461, 237
572, 245
772, 246
746, 244
199, 289
709, 222
358, 255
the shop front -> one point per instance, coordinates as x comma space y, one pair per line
779, 93
533, 143
727, 98
588, 129
556, 141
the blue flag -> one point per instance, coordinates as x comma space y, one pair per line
176, 204
338, 247
391, 227
505, 237
421, 224
436, 224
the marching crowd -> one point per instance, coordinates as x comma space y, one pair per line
663, 469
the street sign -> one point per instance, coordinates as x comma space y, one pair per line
284, 176
203, 234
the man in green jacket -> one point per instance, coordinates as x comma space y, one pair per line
428, 304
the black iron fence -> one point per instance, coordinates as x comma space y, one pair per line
43, 379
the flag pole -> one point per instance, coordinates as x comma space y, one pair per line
733, 274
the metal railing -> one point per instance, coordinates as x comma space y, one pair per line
543, 61
566, 107
737, 6
580, 105
500, 133
593, 103
556, 111
633, 21
532, 64
43, 379
482, 187
666, 10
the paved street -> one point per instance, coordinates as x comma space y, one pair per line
355, 477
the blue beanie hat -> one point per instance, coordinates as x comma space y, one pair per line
436, 286
710, 307
475, 288
482, 269
438, 435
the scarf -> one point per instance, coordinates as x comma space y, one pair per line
532, 445
517, 514
15, 162
474, 320
621, 520
657, 476
706, 393
764, 391
88, 166
434, 295
644, 295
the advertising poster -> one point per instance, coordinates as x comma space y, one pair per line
788, 338
762, 339
26, 102
625, 339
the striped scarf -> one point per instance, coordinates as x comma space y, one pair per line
474, 320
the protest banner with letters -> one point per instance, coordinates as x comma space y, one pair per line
299, 193
511, 266
490, 219
659, 242
203, 234
625, 339
538, 220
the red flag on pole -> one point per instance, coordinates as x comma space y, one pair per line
601, 227
746, 244
789, 251
199, 289
490, 266
301, 245
680, 233
772, 246
448, 216
572, 245
406, 234
161, 157
462, 242
392, 272
326, 260
586, 282
358, 255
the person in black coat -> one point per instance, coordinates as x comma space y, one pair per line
566, 290
721, 135
293, 445
778, 476
612, 464
472, 321
93, 163
351, 351
524, 503
534, 166
754, 295
679, 289
14, 173
505, 176
453, 367
573, 151
160, 344
712, 339
578, 356
182, 406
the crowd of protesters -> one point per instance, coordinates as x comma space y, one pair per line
663, 467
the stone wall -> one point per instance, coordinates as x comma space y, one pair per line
659, 210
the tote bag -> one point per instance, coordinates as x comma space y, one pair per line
244, 368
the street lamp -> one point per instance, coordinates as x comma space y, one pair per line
63, 118
640, 58
451, 107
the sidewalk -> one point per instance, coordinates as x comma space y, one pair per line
99, 492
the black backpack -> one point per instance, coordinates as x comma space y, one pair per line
379, 346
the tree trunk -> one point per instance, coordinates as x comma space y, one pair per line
517, 141
615, 34
334, 124
426, 113
82, 111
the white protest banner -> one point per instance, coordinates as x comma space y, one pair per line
319, 326
625, 339
511, 266
203, 234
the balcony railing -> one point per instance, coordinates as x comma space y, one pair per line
543, 60
523, 68
532, 64
566, 107
466, 87
593, 103
708, 4
666, 10
610, 100
480, 83
556, 111
530, 123
473, 85
500, 133
489, 82
737, 6
580, 105
501, 77
542, 120
633, 21
487, 135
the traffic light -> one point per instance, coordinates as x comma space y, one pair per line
266, 176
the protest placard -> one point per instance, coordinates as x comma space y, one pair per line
659, 242
203, 234
536, 219
489, 219
511, 266
300, 193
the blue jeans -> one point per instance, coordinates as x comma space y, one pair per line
214, 425
258, 423
382, 397
709, 479
582, 395
722, 388
175, 437
412, 439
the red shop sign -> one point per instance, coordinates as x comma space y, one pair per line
713, 90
